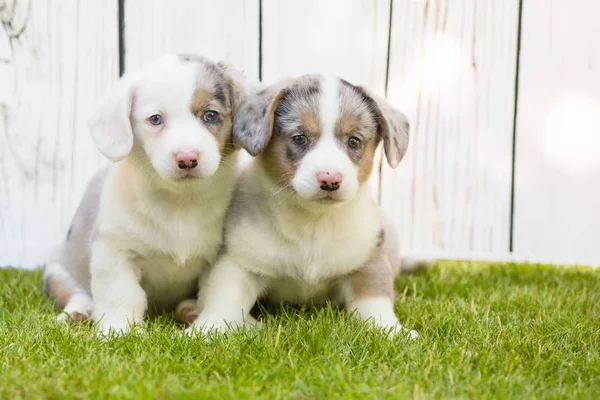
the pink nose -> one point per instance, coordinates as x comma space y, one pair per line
187, 158
329, 180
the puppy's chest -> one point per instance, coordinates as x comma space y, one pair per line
307, 271
319, 255
177, 238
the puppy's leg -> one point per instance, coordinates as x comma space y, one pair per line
75, 301
119, 299
369, 293
227, 297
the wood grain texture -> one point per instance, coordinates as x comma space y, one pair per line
452, 70
557, 174
56, 57
348, 39
221, 30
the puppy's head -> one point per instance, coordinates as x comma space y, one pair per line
176, 115
318, 135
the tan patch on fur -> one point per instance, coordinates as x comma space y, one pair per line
347, 124
274, 157
221, 130
201, 100
276, 163
375, 278
61, 291
311, 124
365, 166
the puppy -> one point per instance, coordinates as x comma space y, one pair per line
150, 224
303, 227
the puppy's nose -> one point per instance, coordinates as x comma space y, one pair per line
329, 180
187, 159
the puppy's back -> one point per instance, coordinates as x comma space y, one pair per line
73, 253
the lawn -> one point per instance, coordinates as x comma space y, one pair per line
486, 330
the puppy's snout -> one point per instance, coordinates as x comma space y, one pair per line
329, 180
187, 158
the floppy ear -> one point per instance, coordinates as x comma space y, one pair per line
253, 123
110, 125
394, 129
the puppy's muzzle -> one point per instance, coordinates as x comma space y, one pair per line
329, 180
187, 159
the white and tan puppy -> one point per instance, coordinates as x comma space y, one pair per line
303, 227
150, 224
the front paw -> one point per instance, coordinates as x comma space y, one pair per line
114, 327
391, 325
399, 330
204, 325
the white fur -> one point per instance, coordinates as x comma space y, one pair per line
327, 156
379, 310
329, 105
80, 302
170, 94
237, 290
155, 247
298, 246
314, 244
158, 227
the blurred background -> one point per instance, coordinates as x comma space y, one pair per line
503, 98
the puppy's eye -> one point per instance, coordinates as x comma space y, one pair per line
156, 119
210, 116
300, 139
354, 142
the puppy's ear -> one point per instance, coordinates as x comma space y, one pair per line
394, 129
253, 123
110, 125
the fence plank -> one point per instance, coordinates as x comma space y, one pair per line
348, 39
57, 57
557, 190
221, 30
452, 69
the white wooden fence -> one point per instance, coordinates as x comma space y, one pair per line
503, 97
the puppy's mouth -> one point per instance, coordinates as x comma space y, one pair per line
189, 176
185, 175
324, 197
328, 200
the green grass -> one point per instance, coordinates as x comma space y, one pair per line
492, 331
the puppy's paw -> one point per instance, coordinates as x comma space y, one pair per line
72, 317
204, 325
186, 312
250, 321
113, 327
397, 330
391, 325
78, 309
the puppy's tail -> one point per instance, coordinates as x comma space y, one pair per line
414, 263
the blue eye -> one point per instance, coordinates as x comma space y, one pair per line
155, 119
